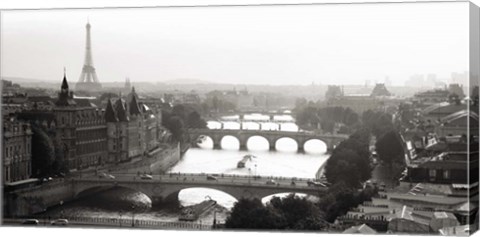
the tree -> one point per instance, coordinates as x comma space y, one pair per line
291, 212
341, 168
297, 212
252, 214
389, 148
350, 161
390, 151
340, 198
59, 165
176, 127
194, 120
43, 152
377, 122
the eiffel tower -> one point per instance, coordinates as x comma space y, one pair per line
88, 79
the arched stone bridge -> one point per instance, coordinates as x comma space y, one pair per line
165, 188
272, 136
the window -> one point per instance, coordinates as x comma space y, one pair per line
446, 174
432, 174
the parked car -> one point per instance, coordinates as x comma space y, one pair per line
146, 176
30, 222
271, 182
59, 222
211, 177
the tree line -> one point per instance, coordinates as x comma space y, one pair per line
310, 116
179, 118
347, 169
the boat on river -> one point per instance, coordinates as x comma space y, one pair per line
245, 159
192, 213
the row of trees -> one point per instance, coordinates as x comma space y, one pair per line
340, 198
350, 161
311, 116
389, 144
298, 213
291, 212
180, 118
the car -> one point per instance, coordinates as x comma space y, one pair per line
211, 177
271, 182
105, 175
382, 187
315, 184
59, 222
47, 179
146, 176
30, 222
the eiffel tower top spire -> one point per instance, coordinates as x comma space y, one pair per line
88, 79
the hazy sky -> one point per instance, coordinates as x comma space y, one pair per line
327, 44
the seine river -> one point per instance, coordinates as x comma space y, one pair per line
284, 162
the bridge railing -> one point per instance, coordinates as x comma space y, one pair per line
257, 177
129, 222
225, 179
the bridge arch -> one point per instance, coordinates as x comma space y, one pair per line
315, 145
224, 140
204, 141
90, 187
271, 135
285, 144
167, 192
196, 195
257, 142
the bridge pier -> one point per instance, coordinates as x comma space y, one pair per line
301, 145
272, 147
243, 147
301, 149
217, 146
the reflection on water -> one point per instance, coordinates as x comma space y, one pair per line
285, 162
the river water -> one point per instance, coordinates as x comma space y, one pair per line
284, 162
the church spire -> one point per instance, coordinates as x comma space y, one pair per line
64, 82
65, 97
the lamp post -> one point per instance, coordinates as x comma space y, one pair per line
215, 218
255, 176
120, 220
133, 215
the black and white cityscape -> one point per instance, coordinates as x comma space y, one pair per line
357, 118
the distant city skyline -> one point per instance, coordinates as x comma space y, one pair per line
275, 45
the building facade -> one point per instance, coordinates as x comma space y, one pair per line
76, 126
17, 147
133, 128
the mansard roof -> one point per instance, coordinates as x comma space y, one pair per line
110, 115
380, 90
133, 106
120, 110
